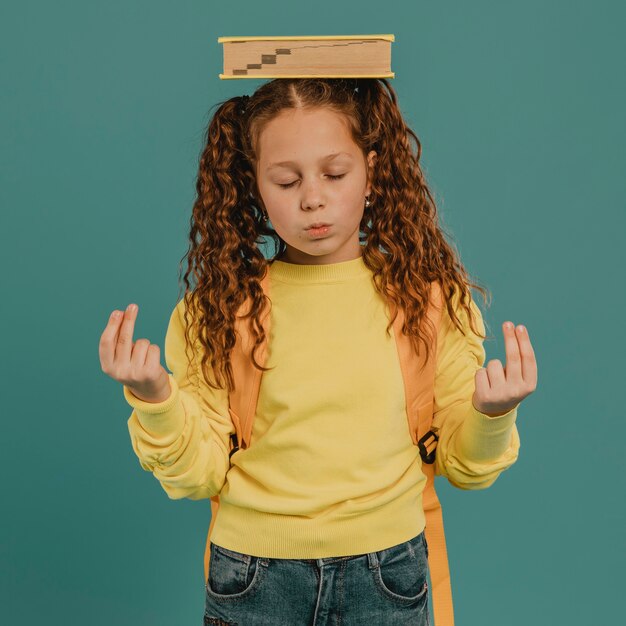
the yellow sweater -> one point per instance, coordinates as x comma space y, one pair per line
331, 469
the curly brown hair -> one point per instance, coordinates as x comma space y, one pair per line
404, 243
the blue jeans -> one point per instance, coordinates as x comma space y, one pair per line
387, 587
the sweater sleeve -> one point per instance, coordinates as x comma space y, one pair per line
183, 440
473, 448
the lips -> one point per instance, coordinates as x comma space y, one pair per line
317, 225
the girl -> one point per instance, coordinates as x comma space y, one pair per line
320, 519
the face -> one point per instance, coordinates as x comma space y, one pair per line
301, 182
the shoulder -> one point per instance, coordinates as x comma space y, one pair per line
458, 303
463, 338
180, 319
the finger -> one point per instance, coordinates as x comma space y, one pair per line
106, 347
138, 355
513, 368
529, 362
495, 372
153, 358
481, 381
124, 345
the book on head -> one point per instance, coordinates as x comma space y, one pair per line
324, 56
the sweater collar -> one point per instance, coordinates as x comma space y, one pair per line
327, 273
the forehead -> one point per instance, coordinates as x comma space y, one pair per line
298, 136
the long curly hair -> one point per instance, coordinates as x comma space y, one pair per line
404, 243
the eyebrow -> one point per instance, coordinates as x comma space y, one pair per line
328, 157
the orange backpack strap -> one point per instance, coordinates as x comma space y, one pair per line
243, 399
419, 383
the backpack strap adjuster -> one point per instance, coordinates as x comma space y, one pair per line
235, 444
428, 457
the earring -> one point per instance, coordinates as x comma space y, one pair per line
265, 216
367, 202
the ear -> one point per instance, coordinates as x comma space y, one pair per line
371, 159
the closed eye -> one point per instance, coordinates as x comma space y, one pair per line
288, 185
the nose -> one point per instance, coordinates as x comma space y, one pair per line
312, 193
311, 200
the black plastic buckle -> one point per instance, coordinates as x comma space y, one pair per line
428, 457
235, 443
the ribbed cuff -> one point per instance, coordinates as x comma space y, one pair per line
159, 418
497, 421
483, 438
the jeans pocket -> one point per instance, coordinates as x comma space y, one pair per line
232, 574
401, 573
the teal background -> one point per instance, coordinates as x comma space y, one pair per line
520, 110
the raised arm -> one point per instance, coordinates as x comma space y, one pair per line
183, 440
473, 448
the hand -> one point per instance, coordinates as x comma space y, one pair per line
134, 364
499, 389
